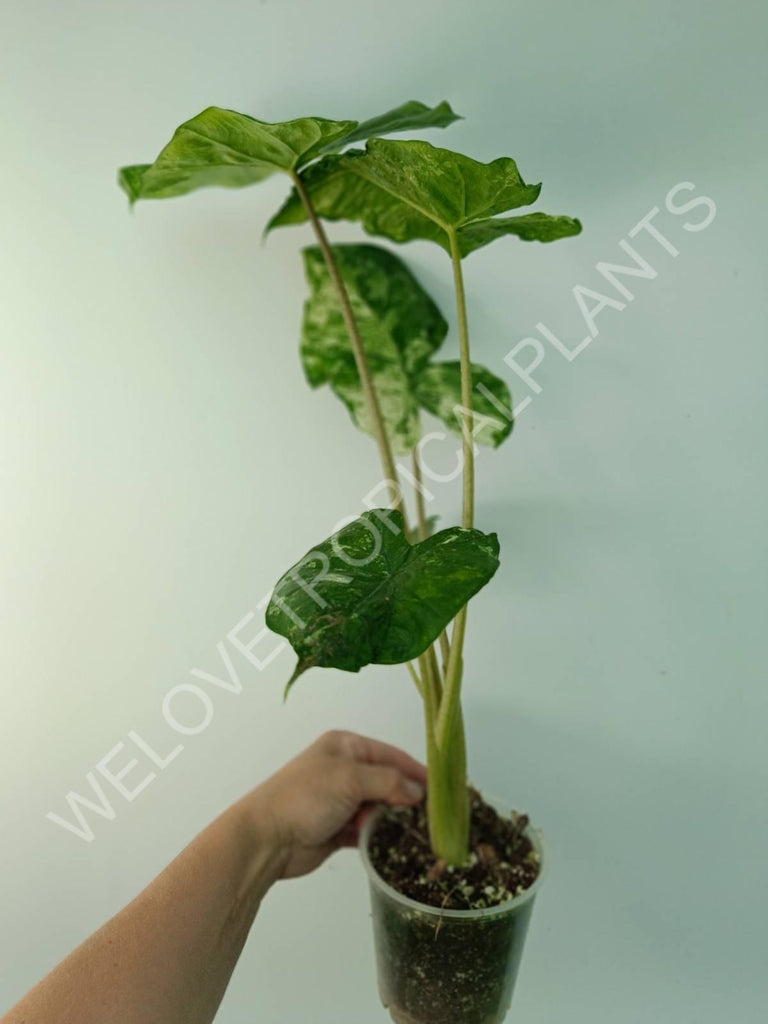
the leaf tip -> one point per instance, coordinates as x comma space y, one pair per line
500, 436
392, 518
301, 667
445, 109
493, 539
130, 180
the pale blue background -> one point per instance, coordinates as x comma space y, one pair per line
162, 462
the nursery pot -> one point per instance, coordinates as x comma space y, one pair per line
446, 966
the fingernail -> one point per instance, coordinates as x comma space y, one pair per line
413, 790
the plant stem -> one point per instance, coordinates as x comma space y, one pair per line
361, 360
430, 691
450, 705
448, 807
435, 671
468, 514
421, 516
445, 650
421, 511
448, 796
415, 677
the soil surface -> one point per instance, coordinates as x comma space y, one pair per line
502, 861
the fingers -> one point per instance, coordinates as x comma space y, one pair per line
385, 783
374, 752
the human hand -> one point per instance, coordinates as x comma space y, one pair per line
316, 803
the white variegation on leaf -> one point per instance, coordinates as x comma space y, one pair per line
401, 329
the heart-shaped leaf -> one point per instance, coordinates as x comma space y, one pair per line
223, 147
412, 190
401, 328
367, 596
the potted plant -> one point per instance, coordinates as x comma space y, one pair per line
452, 881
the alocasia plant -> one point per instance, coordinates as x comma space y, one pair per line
379, 591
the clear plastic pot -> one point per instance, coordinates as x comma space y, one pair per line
446, 966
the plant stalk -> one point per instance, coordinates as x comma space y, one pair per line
421, 510
421, 516
450, 705
361, 360
447, 794
449, 807
448, 811
468, 513
430, 691
416, 678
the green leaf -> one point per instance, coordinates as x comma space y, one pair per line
222, 147
366, 596
130, 180
409, 116
412, 190
400, 327
438, 389
531, 227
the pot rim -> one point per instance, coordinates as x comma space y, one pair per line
508, 907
